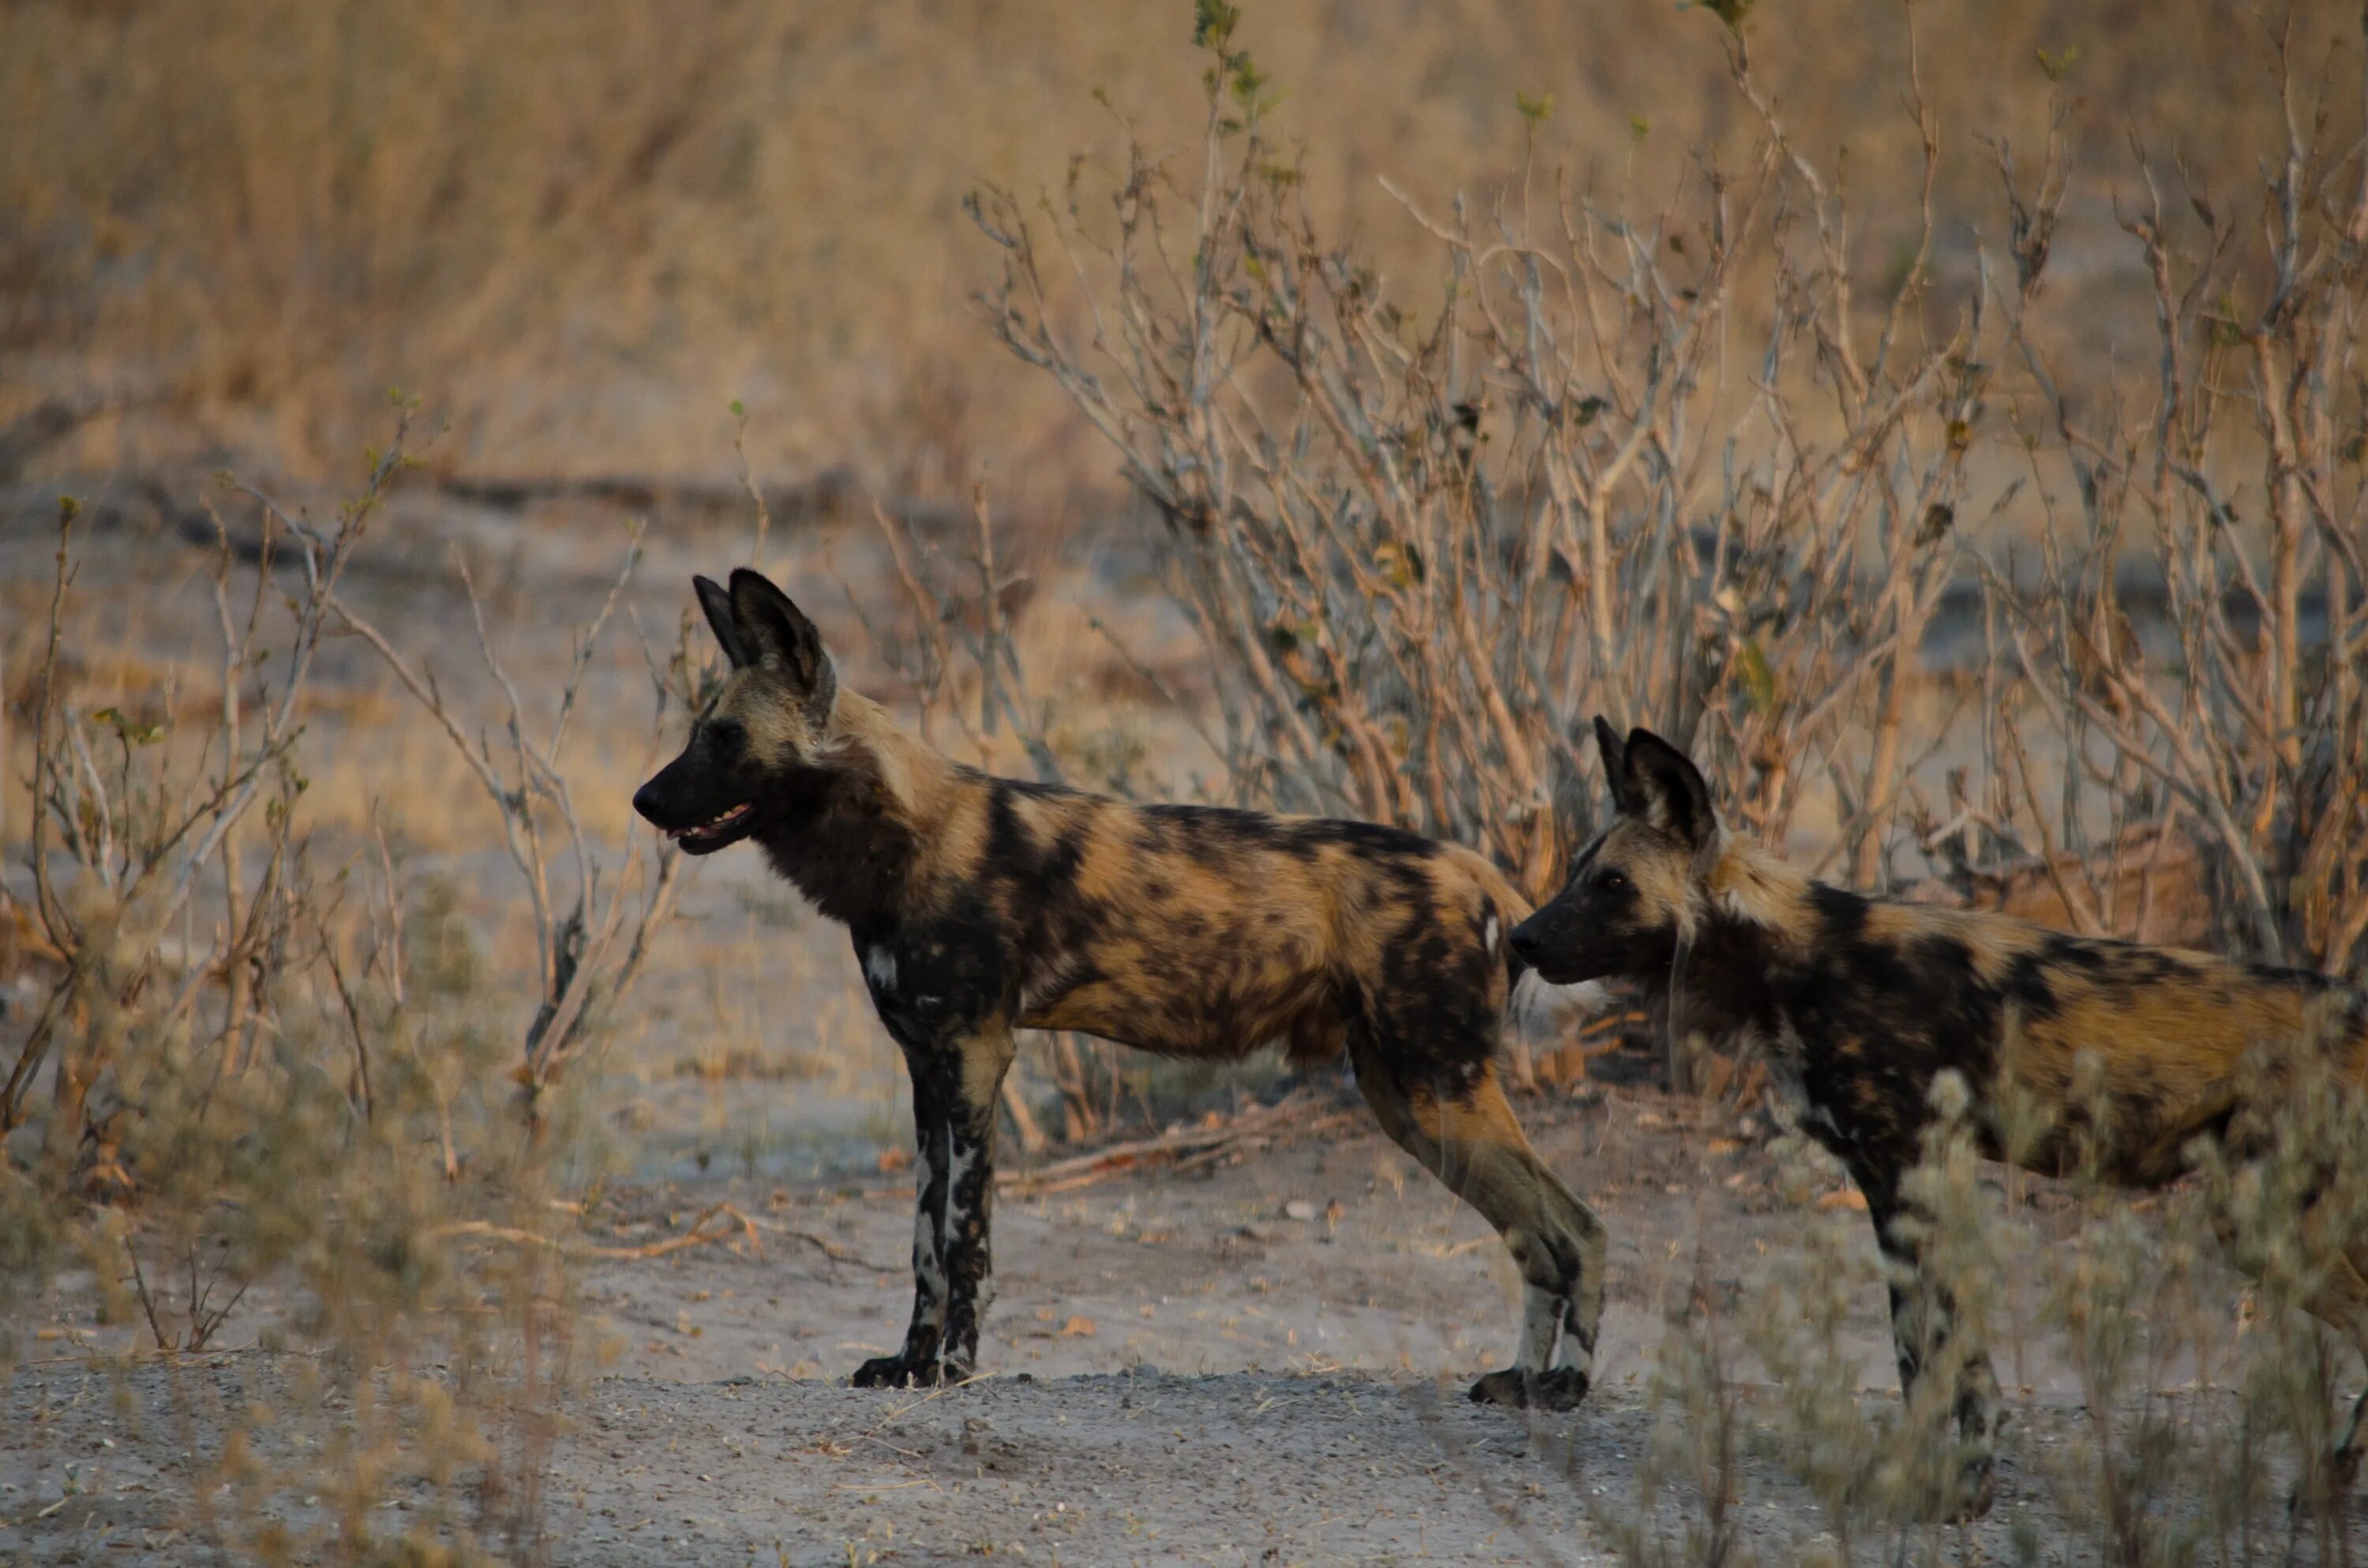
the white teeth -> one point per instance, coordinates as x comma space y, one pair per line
708, 826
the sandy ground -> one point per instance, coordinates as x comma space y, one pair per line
1261, 1363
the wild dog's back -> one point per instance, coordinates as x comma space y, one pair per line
2170, 1044
2127, 1052
1208, 932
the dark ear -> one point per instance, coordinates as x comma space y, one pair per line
720, 620
1669, 789
780, 637
1615, 766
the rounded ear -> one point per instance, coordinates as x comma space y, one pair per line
720, 620
1670, 791
779, 635
1615, 765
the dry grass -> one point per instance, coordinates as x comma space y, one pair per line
583, 229
1682, 463
243, 1074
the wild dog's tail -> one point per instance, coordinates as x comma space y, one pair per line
1538, 1012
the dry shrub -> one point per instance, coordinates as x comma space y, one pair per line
266, 1099
2203, 691
2204, 1410
1864, 545
2067, 633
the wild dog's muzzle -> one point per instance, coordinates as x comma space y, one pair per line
694, 815
1549, 942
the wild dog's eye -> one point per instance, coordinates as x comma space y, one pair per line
1610, 881
726, 732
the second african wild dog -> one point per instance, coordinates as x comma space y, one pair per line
979, 905
1859, 1006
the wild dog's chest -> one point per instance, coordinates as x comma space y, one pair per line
1780, 1052
932, 982
1834, 1100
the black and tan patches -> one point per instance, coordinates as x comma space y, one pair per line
1872, 1003
977, 906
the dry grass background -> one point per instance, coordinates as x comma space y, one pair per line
581, 229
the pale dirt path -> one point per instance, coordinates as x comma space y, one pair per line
1254, 1389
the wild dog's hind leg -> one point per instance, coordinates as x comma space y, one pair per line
954, 1088
1464, 1132
2341, 1303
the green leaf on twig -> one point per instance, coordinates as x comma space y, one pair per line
1758, 680
132, 731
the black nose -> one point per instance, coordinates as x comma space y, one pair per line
645, 800
1525, 941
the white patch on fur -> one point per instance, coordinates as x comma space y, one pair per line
1785, 1056
955, 1215
928, 1267
1750, 884
1540, 1320
1538, 1011
1575, 1354
879, 964
1488, 934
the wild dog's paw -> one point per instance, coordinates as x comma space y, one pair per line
2342, 1467
1968, 1501
1976, 1490
1559, 1389
896, 1372
2330, 1491
1510, 1387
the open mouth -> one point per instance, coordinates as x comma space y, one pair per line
714, 828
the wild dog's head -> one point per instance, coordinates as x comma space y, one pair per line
772, 715
1633, 893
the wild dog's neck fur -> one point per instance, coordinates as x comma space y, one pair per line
846, 827
1749, 886
1743, 923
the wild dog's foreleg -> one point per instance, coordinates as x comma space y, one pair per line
932, 1171
1463, 1133
1926, 1336
954, 1088
983, 1057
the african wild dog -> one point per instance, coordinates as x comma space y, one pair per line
979, 905
1860, 1005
